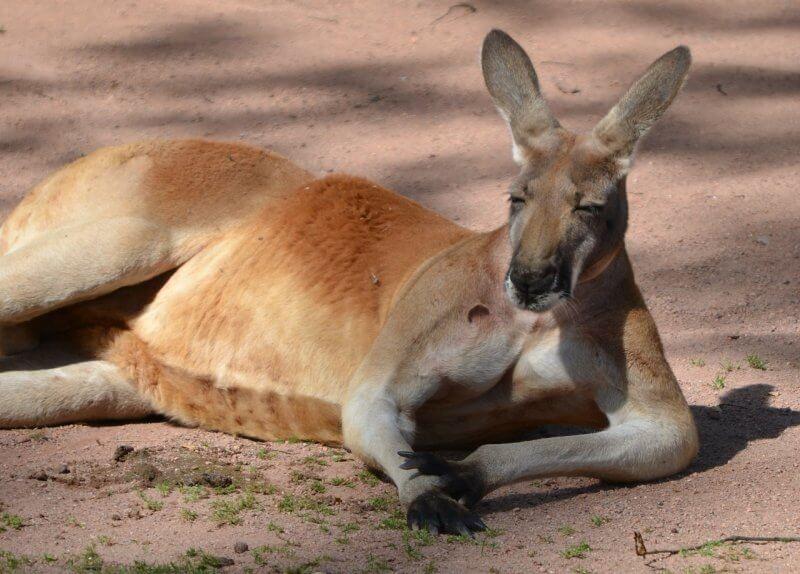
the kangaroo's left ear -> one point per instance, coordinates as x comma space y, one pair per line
643, 104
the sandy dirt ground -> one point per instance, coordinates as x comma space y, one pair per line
392, 91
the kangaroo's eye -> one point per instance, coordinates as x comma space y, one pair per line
516, 201
590, 208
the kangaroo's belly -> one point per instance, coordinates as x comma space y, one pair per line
289, 304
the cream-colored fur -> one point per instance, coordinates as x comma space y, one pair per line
222, 286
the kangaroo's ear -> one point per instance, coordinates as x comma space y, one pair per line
512, 83
643, 104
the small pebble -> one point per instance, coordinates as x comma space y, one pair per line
39, 475
116, 517
240, 547
63, 469
223, 561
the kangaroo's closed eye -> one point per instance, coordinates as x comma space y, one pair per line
590, 208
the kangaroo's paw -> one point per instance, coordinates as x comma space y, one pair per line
456, 478
438, 513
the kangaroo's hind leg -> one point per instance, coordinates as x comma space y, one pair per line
50, 386
77, 263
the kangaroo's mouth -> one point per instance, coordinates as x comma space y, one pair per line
537, 301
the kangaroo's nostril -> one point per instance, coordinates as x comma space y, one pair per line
533, 282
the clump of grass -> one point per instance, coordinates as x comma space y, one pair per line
10, 521
261, 487
105, 540
150, 503
272, 527
88, 561
291, 503
380, 503
188, 515
729, 367
368, 478
312, 460
226, 511
72, 521
566, 530
259, 554
193, 493
341, 481
164, 488
598, 520
376, 565
718, 382
10, 562
756, 362
397, 521
698, 362
577, 551
264, 454
318, 487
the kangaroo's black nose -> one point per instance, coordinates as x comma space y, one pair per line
531, 283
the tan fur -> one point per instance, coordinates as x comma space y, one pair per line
230, 290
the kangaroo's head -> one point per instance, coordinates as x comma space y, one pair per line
568, 205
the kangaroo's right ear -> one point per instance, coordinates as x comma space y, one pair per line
514, 87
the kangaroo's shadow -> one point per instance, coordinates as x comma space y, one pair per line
742, 416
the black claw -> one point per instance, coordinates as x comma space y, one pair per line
437, 512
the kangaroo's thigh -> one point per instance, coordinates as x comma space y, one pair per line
50, 386
81, 262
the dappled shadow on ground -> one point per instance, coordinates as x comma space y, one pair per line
742, 416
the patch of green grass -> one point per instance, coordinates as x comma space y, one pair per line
577, 551
150, 503
37, 435
272, 527
227, 511
88, 561
431, 568
164, 488
410, 550
49, 558
708, 569
698, 362
397, 521
719, 382
193, 493
260, 554
376, 565
105, 540
72, 521
223, 490
368, 478
312, 460
317, 486
11, 521
598, 520
380, 503
756, 362
341, 481
291, 503
188, 515
10, 562
729, 367
566, 530
260, 487
264, 454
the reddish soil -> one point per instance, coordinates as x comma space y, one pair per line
394, 92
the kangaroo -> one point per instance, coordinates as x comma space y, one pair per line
224, 287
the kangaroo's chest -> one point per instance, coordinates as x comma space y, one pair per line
546, 382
